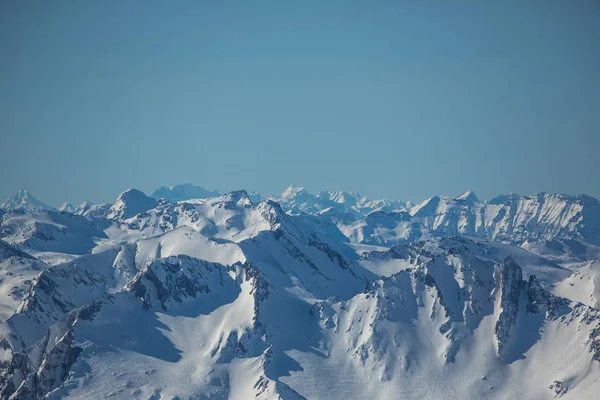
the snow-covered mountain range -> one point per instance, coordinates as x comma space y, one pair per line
189, 294
296, 200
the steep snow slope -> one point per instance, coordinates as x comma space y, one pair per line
583, 284
181, 327
17, 270
451, 325
50, 231
381, 228
452, 328
183, 192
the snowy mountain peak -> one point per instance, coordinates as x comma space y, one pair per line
513, 218
23, 200
239, 197
255, 197
355, 193
427, 207
340, 197
293, 191
66, 207
296, 200
186, 191
468, 197
504, 199
130, 203
83, 207
272, 212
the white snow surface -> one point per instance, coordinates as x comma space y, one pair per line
327, 296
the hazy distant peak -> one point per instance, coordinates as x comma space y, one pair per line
293, 191
66, 207
186, 191
469, 196
24, 200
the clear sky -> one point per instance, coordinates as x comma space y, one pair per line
398, 99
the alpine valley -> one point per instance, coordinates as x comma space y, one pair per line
192, 294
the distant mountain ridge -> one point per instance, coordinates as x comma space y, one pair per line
507, 218
183, 192
296, 200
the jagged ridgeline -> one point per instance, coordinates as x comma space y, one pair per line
189, 294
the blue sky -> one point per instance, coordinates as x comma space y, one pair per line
398, 99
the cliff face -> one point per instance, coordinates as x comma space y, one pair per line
509, 282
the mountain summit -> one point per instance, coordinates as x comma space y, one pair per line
130, 203
469, 197
23, 200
